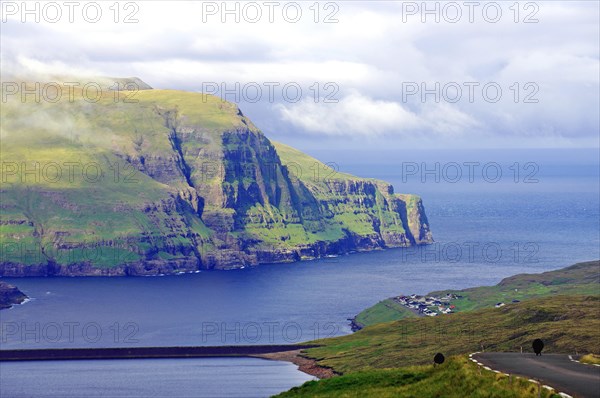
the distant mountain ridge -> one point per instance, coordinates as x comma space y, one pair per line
147, 182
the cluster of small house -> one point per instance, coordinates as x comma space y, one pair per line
428, 305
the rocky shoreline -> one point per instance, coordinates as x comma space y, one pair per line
355, 326
190, 264
305, 364
10, 295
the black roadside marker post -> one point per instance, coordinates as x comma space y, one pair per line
538, 346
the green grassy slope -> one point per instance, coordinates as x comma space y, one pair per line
69, 193
309, 169
582, 278
565, 323
385, 311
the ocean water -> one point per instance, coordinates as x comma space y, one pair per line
480, 239
482, 235
146, 378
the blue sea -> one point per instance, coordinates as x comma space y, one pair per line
146, 378
483, 232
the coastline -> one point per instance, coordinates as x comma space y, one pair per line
305, 364
355, 326
191, 265
287, 353
10, 296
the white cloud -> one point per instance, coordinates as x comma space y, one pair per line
358, 115
352, 115
448, 120
369, 53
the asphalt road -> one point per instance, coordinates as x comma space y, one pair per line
555, 370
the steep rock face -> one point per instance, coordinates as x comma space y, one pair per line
417, 219
10, 295
187, 183
367, 210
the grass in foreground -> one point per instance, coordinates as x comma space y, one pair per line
456, 378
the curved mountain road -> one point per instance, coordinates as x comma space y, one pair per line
555, 370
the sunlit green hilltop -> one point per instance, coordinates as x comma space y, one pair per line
143, 182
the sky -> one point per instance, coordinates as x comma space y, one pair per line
344, 74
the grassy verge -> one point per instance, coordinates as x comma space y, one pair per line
590, 358
456, 378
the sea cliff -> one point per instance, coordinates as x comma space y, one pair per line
176, 182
